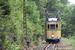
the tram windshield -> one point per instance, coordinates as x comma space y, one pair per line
52, 27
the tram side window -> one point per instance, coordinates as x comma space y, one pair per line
48, 26
56, 26
52, 27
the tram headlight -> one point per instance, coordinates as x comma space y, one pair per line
52, 35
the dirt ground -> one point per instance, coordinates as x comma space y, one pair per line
62, 45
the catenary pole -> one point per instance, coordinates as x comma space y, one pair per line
24, 20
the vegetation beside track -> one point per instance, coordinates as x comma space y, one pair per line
71, 40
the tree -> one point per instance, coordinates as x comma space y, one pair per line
4, 22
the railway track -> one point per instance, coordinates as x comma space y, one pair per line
51, 47
63, 45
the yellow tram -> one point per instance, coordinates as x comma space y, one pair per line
53, 29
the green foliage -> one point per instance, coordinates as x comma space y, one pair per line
13, 47
40, 6
67, 21
34, 22
12, 29
4, 22
10, 45
56, 5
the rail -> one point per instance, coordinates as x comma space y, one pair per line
52, 46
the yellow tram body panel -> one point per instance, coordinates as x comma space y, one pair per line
56, 31
57, 34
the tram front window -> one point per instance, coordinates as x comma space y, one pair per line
56, 26
52, 27
48, 26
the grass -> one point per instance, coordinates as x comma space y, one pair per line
72, 41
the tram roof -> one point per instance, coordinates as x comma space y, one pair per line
52, 19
